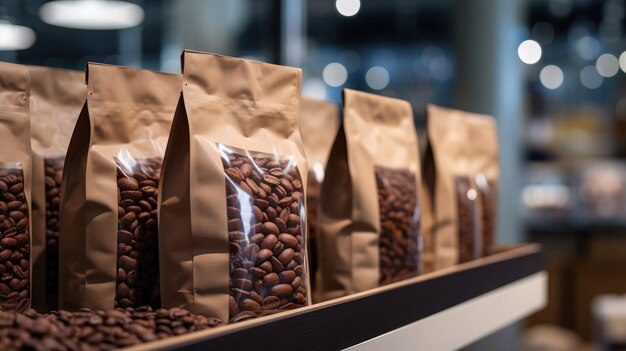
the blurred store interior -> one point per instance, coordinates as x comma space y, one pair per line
553, 72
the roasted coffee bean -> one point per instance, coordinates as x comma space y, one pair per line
98, 330
14, 242
287, 276
289, 240
399, 224
263, 198
137, 282
281, 290
466, 210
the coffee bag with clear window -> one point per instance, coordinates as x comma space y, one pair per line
461, 175
369, 224
56, 97
15, 188
232, 203
109, 229
319, 122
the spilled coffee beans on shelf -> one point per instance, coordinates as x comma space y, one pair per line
138, 250
86, 329
14, 242
399, 227
265, 202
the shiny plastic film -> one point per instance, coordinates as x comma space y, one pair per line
466, 200
266, 221
14, 239
53, 170
488, 194
400, 238
314, 184
137, 247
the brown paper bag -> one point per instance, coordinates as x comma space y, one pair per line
56, 97
15, 188
109, 241
319, 122
370, 215
462, 163
232, 213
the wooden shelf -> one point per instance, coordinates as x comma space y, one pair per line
443, 310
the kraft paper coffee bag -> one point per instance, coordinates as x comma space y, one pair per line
109, 224
462, 168
15, 188
369, 225
56, 98
319, 122
232, 213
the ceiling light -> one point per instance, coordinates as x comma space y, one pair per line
13, 37
92, 14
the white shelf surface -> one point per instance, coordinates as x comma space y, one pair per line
467, 322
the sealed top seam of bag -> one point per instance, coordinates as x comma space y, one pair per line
15, 90
215, 76
122, 109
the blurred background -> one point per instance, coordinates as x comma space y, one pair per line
551, 71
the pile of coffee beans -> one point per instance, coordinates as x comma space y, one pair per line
14, 242
265, 219
399, 224
53, 178
312, 199
138, 251
466, 208
487, 207
95, 330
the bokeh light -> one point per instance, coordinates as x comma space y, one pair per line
551, 77
348, 8
529, 51
377, 78
607, 65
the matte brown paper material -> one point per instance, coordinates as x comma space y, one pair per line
232, 213
56, 98
370, 214
109, 239
15, 187
319, 123
461, 170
